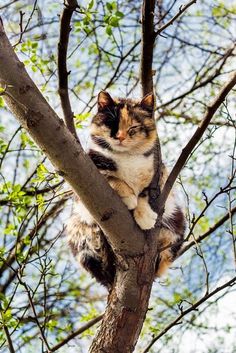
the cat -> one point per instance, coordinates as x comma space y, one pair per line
123, 135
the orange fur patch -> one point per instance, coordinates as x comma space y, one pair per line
125, 122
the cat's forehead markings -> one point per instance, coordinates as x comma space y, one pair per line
124, 118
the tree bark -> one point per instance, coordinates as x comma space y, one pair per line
148, 39
127, 304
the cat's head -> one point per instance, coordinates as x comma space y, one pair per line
124, 125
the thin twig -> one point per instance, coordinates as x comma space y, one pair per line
203, 80
211, 230
8, 4
76, 333
182, 9
7, 333
187, 150
188, 310
22, 31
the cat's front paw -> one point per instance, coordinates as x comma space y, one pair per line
130, 201
145, 218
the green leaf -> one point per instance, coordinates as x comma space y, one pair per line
114, 21
2, 90
119, 14
91, 4
111, 6
109, 30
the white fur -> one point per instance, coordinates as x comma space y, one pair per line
81, 211
144, 216
130, 201
135, 169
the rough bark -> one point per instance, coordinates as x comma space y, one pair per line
148, 38
127, 305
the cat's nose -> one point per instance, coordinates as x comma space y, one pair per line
121, 136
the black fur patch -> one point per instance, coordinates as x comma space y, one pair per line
103, 275
111, 119
101, 161
176, 247
144, 193
101, 268
100, 141
176, 222
148, 153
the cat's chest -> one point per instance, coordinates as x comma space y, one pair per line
135, 170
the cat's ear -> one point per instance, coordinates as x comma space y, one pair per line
147, 102
104, 100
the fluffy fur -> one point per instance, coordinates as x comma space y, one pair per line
123, 135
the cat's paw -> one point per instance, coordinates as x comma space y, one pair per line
130, 201
146, 219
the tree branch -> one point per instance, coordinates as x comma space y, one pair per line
128, 302
7, 333
8, 262
148, 39
49, 132
212, 108
182, 9
205, 79
211, 230
70, 7
188, 310
77, 332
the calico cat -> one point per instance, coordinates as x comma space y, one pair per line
123, 136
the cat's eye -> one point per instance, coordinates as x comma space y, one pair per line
132, 131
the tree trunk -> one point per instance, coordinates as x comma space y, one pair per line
127, 304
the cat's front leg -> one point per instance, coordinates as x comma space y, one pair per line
144, 216
124, 191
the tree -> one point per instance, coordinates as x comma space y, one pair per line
35, 197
